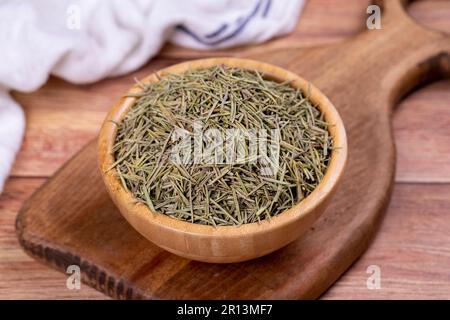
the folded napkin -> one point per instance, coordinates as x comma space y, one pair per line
87, 40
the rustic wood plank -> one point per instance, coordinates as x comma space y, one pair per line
411, 249
43, 153
22, 277
61, 230
422, 134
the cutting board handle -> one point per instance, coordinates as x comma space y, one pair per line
384, 63
413, 54
359, 75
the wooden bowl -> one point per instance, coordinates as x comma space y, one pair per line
224, 243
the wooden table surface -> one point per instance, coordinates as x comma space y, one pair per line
412, 247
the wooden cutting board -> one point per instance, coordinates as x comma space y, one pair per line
71, 219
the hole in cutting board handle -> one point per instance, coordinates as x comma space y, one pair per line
425, 53
421, 130
435, 68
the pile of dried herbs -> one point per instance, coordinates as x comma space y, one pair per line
221, 193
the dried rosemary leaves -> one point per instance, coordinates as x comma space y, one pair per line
221, 146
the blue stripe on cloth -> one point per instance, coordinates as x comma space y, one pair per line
216, 33
267, 8
243, 21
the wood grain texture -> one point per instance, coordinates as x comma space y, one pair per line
21, 277
412, 249
422, 135
84, 229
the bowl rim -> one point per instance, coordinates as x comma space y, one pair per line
128, 203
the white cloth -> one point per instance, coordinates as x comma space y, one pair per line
83, 41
